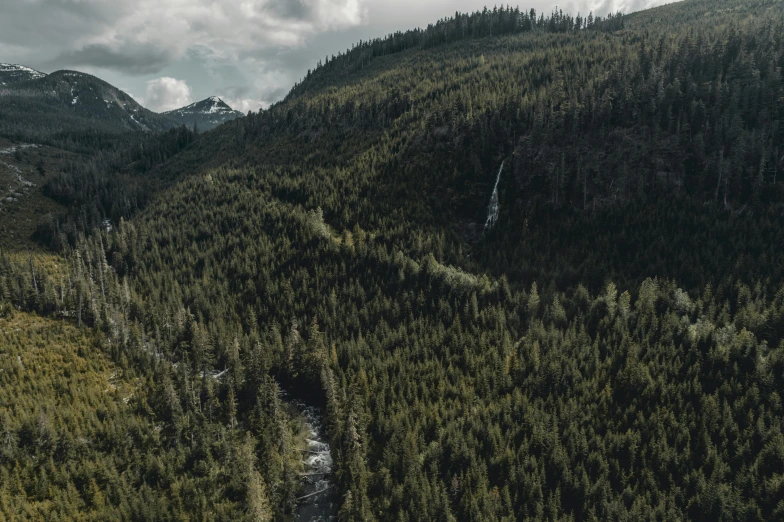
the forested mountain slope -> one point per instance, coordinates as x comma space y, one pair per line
71, 102
684, 103
610, 349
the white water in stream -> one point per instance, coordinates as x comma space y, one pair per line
317, 501
493, 208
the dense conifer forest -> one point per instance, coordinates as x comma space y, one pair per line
610, 348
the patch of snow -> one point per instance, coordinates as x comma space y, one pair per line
140, 124
212, 105
76, 99
8, 67
11, 150
14, 168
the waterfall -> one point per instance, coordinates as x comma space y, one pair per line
493, 207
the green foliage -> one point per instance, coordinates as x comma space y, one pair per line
138, 439
612, 349
78, 441
106, 186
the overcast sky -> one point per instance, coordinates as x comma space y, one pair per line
168, 53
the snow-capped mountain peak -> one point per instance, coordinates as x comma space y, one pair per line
210, 105
13, 73
206, 114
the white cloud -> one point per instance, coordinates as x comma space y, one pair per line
244, 104
165, 94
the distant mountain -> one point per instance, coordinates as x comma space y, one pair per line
36, 106
11, 73
70, 101
206, 114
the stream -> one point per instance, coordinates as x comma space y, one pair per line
317, 500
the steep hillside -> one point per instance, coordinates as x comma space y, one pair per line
205, 115
608, 346
24, 170
51, 196
71, 102
586, 123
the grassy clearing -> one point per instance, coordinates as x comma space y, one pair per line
59, 396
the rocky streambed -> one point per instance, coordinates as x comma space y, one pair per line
317, 501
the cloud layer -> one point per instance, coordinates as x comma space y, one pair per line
142, 36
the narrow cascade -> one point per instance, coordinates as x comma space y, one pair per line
317, 502
493, 207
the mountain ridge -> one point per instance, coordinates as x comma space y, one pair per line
71, 101
14, 73
67, 101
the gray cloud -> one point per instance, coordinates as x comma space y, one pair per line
45, 27
135, 60
140, 36
290, 9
